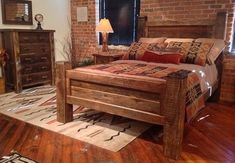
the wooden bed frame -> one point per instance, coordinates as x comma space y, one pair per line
163, 104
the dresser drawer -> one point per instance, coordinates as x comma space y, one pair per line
34, 68
38, 48
28, 59
31, 37
34, 58
36, 78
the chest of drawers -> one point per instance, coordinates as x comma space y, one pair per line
31, 57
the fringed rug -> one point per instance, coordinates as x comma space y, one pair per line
16, 158
38, 107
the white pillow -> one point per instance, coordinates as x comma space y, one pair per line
216, 49
152, 40
179, 40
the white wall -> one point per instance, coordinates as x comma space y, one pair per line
56, 17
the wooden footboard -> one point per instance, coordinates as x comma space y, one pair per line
157, 102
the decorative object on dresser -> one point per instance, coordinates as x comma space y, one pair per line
39, 19
228, 80
106, 58
31, 57
105, 28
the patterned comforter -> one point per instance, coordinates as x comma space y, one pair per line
194, 96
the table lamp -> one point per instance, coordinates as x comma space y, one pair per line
105, 28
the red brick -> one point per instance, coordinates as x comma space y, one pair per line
182, 11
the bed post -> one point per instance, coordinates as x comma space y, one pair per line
174, 111
64, 110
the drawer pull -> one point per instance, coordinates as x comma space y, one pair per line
44, 77
28, 59
43, 68
43, 58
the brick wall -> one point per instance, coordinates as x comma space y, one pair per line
188, 12
84, 37
11, 11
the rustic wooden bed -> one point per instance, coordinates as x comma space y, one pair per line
158, 102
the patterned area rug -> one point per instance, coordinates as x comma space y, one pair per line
16, 158
38, 107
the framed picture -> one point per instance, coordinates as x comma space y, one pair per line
82, 14
17, 12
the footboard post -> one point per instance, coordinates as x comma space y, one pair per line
174, 111
64, 110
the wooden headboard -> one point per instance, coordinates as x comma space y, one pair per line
216, 29
179, 31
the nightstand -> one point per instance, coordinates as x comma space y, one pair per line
106, 58
228, 80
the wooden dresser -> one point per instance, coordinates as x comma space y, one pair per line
228, 80
31, 57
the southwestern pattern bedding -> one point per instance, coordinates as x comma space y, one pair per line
194, 96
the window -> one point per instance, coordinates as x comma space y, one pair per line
233, 43
122, 15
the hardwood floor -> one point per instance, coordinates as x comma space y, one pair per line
211, 139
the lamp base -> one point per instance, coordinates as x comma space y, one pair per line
39, 27
105, 41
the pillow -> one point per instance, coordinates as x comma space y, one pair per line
179, 40
137, 49
157, 46
152, 40
150, 56
163, 49
216, 49
183, 46
193, 53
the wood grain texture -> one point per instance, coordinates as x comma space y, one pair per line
174, 111
106, 58
64, 110
209, 140
228, 80
31, 57
2, 85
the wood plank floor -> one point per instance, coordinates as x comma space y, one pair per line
211, 139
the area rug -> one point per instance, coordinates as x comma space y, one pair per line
37, 106
16, 158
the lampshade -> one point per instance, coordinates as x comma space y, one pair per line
104, 26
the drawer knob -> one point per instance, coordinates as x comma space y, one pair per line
43, 58
28, 59
44, 77
43, 67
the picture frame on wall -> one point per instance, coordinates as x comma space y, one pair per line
82, 14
